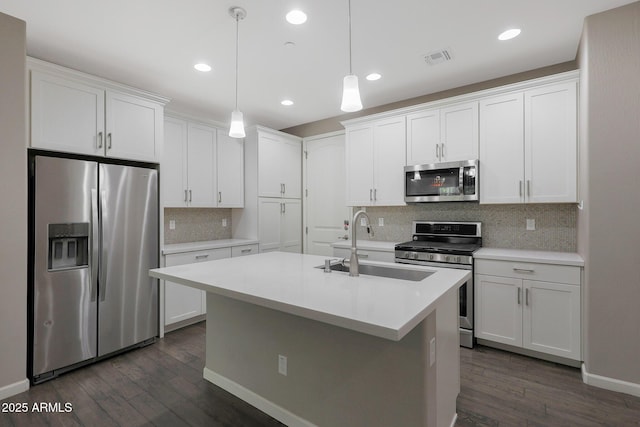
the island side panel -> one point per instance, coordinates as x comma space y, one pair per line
448, 357
334, 376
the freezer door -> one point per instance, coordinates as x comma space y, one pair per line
128, 297
64, 285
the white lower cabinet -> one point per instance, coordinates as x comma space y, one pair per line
366, 254
280, 225
529, 305
182, 302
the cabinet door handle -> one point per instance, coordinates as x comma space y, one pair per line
284, 188
528, 188
526, 296
284, 208
109, 141
281, 188
186, 199
375, 194
219, 196
370, 194
363, 256
190, 196
99, 141
519, 296
520, 187
204, 256
441, 151
245, 251
523, 270
438, 151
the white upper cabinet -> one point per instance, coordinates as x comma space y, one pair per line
459, 132
423, 137
375, 158
134, 126
76, 113
201, 166
230, 171
528, 146
279, 166
443, 135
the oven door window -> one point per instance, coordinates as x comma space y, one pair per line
440, 182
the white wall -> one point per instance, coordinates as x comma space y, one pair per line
13, 211
609, 226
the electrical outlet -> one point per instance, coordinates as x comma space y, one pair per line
282, 365
380, 222
224, 222
531, 224
172, 224
432, 351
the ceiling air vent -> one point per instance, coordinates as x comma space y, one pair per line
438, 56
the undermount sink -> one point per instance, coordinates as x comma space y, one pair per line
383, 271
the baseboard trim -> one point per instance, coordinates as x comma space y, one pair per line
255, 400
610, 383
13, 389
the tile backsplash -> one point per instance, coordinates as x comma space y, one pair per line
503, 226
196, 224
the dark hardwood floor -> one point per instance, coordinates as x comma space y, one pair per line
162, 385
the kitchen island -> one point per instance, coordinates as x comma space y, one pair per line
315, 348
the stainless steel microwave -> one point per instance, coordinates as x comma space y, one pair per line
442, 182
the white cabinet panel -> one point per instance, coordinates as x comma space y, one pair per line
134, 126
78, 113
375, 158
279, 167
551, 143
539, 315
528, 146
499, 309
501, 153
66, 115
183, 302
291, 226
280, 224
459, 132
423, 137
201, 160
230, 171
174, 163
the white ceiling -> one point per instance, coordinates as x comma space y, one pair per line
153, 45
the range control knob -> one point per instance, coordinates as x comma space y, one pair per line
447, 258
431, 257
458, 259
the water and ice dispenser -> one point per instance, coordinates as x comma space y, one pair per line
68, 246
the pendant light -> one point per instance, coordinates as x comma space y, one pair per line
350, 92
236, 130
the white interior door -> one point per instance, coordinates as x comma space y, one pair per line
325, 196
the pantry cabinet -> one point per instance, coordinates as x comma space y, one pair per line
528, 146
76, 113
529, 305
375, 158
202, 166
273, 184
443, 134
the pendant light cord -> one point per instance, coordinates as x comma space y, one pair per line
237, 43
350, 65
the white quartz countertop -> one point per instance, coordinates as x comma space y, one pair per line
520, 255
202, 246
383, 307
371, 245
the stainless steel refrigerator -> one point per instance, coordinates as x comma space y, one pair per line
93, 239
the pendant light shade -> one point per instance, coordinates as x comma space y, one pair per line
351, 94
237, 125
236, 130
350, 91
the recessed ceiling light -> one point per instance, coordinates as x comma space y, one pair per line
509, 34
296, 17
373, 77
202, 67
286, 102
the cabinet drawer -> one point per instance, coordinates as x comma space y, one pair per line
528, 270
197, 256
244, 250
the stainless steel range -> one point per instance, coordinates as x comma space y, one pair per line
450, 245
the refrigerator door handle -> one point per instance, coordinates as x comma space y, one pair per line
94, 243
103, 246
